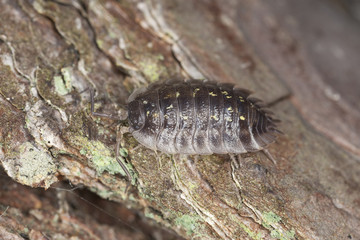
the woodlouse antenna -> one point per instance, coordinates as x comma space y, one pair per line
92, 99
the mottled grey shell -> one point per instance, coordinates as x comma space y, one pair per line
199, 117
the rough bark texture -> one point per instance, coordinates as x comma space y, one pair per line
300, 56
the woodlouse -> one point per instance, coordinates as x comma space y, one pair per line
199, 117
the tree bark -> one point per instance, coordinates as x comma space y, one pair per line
293, 54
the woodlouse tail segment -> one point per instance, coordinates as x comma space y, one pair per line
271, 133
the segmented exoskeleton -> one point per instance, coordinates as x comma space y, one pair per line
199, 117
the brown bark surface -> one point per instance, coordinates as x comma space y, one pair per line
301, 57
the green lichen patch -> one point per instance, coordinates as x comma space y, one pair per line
63, 84
253, 235
106, 193
189, 222
45, 84
283, 236
270, 219
101, 157
32, 166
59, 85
123, 152
152, 68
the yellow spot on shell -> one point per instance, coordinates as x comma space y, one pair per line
145, 102
195, 91
185, 117
212, 94
214, 117
170, 107
229, 119
230, 109
166, 116
177, 94
228, 96
242, 118
147, 113
155, 115
224, 92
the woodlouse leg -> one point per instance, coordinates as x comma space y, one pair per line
269, 156
119, 158
118, 133
235, 161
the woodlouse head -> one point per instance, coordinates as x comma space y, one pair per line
136, 116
